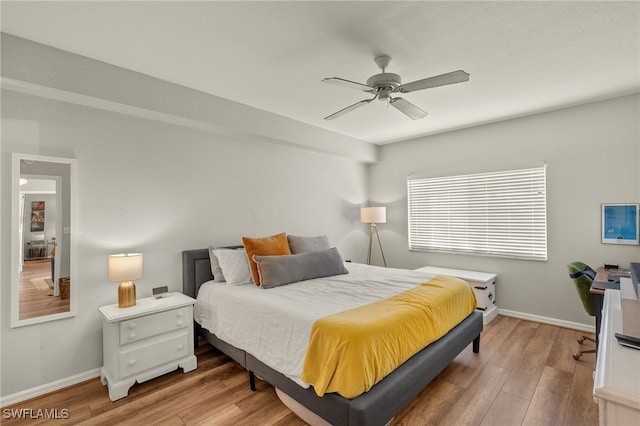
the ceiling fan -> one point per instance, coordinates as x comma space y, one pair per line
384, 84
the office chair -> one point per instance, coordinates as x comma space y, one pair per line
582, 276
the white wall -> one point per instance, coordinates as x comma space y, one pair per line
158, 188
592, 155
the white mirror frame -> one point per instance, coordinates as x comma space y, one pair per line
15, 277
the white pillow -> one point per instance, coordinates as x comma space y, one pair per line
234, 266
215, 266
216, 271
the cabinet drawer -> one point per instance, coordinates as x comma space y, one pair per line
151, 325
155, 353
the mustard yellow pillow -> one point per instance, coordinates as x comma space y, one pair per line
266, 246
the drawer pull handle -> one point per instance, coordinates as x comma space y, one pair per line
132, 326
180, 346
132, 362
132, 336
180, 323
180, 314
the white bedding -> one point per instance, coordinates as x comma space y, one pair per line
274, 324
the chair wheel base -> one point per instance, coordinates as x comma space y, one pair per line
577, 356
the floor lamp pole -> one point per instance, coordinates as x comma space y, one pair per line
373, 227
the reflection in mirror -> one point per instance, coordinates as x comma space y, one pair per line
43, 249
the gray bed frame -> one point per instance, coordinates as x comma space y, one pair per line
375, 407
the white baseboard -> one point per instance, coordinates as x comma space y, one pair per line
48, 387
489, 315
546, 320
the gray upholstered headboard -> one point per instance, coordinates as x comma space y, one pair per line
196, 270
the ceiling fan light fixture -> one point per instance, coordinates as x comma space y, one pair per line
384, 93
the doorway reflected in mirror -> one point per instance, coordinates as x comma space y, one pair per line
43, 254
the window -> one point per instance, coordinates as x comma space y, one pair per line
500, 214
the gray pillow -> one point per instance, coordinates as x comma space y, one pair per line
306, 244
215, 264
280, 270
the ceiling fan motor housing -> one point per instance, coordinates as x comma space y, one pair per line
384, 83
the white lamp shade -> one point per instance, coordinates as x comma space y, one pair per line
125, 267
373, 215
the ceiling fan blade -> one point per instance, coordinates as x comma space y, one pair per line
348, 83
439, 80
408, 108
348, 109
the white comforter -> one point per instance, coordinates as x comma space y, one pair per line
274, 324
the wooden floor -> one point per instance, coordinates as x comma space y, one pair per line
33, 302
523, 375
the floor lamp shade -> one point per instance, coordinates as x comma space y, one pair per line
373, 215
125, 268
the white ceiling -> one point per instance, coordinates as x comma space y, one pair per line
523, 57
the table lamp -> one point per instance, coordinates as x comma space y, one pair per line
125, 268
373, 215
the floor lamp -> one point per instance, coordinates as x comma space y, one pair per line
373, 215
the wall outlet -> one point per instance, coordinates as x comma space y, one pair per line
160, 291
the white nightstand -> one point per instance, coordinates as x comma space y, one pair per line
145, 341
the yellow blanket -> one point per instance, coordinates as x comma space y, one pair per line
351, 351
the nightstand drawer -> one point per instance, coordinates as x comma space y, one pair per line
155, 353
151, 325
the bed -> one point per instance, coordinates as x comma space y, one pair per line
380, 403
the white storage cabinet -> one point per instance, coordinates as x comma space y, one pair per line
482, 283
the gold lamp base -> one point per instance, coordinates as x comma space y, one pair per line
126, 294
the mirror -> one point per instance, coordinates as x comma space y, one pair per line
43, 247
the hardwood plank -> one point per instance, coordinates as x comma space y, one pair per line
546, 332
564, 345
524, 376
476, 400
221, 417
430, 406
174, 420
506, 410
510, 350
467, 365
549, 402
581, 408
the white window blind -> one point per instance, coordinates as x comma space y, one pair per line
497, 214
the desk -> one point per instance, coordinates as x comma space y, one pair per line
616, 385
601, 280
